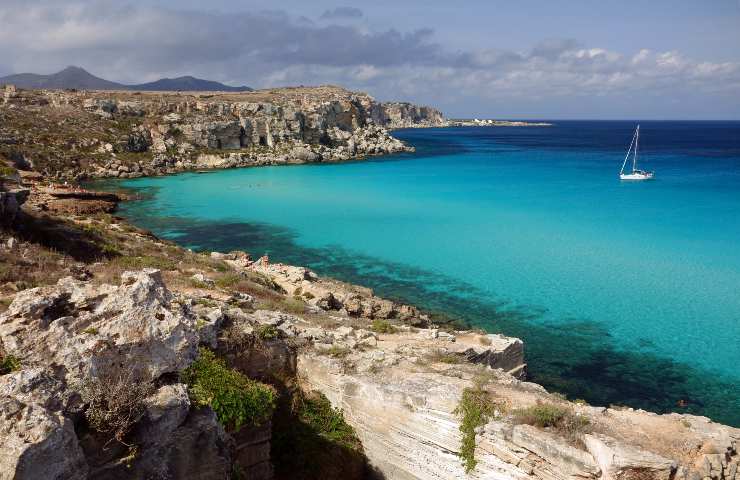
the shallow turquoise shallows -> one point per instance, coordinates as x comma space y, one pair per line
625, 293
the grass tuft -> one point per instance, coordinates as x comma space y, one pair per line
560, 418
145, 261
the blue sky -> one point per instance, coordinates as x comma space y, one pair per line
503, 59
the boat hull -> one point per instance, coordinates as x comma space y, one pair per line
637, 176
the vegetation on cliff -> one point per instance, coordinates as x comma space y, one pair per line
475, 409
237, 400
559, 418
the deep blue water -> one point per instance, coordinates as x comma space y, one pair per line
625, 293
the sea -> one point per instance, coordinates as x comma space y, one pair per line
625, 293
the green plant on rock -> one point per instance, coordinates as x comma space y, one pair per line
9, 363
475, 409
267, 332
237, 400
382, 326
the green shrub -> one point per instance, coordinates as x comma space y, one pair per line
541, 415
237, 400
475, 409
382, 326
288, 305
206, 302
308, 295
560, 418
9, 363
267, 332
90, 331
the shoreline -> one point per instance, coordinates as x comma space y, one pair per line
456, 315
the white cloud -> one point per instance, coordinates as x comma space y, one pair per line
125, 42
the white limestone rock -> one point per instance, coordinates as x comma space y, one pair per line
88, 329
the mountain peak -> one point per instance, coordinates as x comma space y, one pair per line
79, 78
74, 68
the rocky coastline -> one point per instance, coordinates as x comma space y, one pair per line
129, 135
495, 123
330, 381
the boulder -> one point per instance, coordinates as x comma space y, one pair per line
621, 461
36, 440
89, 330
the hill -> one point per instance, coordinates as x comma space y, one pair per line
80, 79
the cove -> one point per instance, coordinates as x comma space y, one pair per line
623, 293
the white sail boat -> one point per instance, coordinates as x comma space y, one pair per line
635, 174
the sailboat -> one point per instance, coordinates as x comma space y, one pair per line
635, 174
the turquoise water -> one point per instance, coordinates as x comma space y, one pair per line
624, 293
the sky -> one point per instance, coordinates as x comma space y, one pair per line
546, 59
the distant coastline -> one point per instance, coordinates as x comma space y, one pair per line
476, 122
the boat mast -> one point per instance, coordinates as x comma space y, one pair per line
637, 141
634, 135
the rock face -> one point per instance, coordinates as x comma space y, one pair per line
36, 440
406, 420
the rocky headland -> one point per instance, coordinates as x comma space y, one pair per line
75, 135
126, 356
